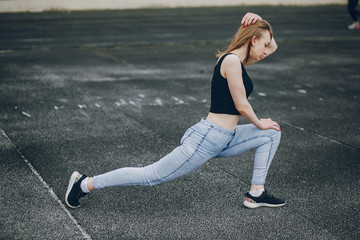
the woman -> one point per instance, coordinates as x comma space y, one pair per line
352, 4
217, 135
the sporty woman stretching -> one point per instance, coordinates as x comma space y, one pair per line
217, 135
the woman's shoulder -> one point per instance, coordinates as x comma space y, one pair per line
232, 61
228, 57
230, 65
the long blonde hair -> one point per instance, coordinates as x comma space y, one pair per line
244, 36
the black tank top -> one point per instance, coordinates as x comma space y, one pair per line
221, 100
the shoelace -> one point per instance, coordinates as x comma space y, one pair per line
267, 194
272, 198
79, 194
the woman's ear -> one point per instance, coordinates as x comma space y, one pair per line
253, 40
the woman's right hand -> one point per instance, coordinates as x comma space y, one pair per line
268, 123
250, 18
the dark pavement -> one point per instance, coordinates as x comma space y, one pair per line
95, 91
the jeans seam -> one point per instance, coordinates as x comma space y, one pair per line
267, 161
183, 140
250, 139
189, 157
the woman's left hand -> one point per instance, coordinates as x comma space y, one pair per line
268, 123
250, 18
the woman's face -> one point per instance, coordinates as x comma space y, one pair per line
259, 49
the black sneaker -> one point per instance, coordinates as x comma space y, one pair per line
264, 200
74, 192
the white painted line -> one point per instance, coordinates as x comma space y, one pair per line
321, 136
177, 100
26, 114
158, 101
52, 193
84, 113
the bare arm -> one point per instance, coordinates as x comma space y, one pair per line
233, 73
272, 47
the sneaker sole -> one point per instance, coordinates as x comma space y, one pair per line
256, 205
72, 181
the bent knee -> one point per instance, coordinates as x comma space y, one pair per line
275, 133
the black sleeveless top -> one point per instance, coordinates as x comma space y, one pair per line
221, 100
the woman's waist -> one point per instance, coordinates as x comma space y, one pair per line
226, 121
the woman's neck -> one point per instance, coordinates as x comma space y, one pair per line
241, 53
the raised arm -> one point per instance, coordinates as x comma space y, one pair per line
272, 47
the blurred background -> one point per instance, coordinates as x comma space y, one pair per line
46, 5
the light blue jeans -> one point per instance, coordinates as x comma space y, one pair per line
201, 142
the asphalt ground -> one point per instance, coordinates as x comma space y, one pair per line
95, 91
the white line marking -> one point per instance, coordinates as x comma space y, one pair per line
26, 114
321, 136
178, 101
132, 103
84, 113
52, 193
120, 102
158, 101
192, 98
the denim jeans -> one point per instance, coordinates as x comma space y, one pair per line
201, 142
